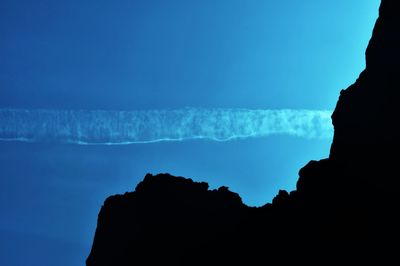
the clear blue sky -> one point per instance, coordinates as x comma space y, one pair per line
156, 54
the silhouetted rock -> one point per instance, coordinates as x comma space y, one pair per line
160, 220
344, 208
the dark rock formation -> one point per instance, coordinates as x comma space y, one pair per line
344, 208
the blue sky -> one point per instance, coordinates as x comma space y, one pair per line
143, 55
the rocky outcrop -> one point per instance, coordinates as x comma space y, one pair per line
365, 119
344, 208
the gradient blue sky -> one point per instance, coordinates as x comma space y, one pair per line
155, 54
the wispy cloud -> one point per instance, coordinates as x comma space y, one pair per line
128, 127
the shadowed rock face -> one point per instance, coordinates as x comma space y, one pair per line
365, 119
344, 208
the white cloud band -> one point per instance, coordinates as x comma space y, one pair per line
127, 127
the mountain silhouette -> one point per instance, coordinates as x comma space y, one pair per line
344, 209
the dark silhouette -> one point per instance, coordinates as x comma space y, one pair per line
345, 208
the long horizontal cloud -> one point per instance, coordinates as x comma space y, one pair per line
126, 127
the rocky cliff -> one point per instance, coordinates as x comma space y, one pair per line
345, 207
